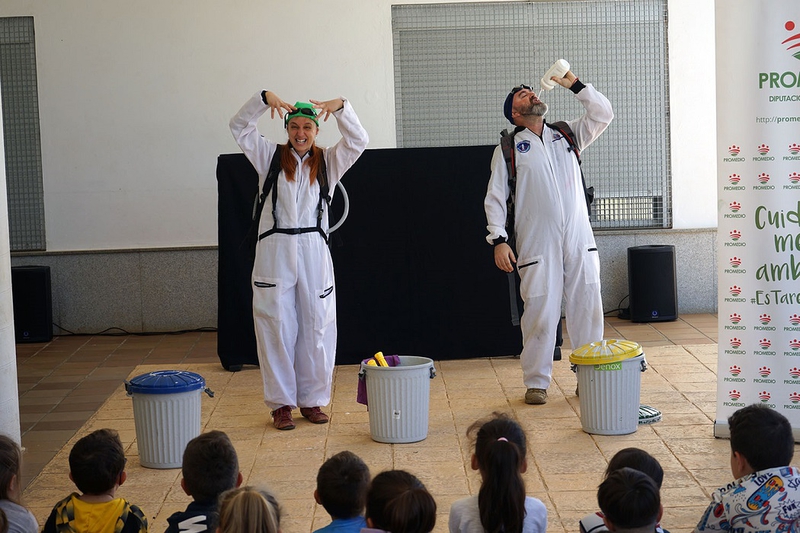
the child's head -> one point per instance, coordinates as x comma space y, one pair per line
399, 502
500, 457
248, 510
342, 483
638, 460
760, 436
630, 501
10, 469
97, 462
210, 467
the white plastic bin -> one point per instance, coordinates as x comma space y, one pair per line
166, 413
398, 399
609, 380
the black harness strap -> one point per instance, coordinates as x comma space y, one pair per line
324, 199
507, 146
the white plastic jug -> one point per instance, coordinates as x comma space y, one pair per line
558, 69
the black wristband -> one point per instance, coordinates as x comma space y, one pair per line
264, 97
577, 86
499, 240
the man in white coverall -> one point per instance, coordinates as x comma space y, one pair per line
294, 301
556, 252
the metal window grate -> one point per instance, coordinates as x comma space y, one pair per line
21, 134
454, 64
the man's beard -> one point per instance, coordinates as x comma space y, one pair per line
536, 110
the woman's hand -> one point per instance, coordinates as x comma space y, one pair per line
276, 104
327, 107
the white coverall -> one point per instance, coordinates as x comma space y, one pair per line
294, 302
556, 251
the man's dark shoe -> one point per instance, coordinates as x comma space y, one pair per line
536, 396
282, 418
557, 354
314, 415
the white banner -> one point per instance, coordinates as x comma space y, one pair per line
758, 146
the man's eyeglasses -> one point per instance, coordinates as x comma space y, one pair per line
521, 86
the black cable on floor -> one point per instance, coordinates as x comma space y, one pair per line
119, 332
619, 308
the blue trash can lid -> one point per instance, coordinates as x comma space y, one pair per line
165, 382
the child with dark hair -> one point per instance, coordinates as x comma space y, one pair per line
398, 502
97, 467
766, 494
637, 459
17, 518
342, 483
630, 501
501, 505
210, 467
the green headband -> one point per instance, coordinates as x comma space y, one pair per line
302, 109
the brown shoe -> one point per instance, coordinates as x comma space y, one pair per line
314, 415
282, 418
536, 396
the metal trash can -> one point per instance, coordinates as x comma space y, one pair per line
609, 379
398, 399
166, 413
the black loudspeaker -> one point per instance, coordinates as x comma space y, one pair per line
33, 305
651, 283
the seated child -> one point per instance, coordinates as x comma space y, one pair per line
630, 501
17, 518
342, 483
97, 467
398, 502
502, 503
766, 494
248, 510
632, 458
210, 467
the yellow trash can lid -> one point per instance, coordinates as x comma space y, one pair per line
605, 351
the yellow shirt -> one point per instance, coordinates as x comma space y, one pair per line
72, 515
97, 517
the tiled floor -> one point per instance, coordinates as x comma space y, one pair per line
73, 385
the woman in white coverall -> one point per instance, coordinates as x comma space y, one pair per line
294, 301
556, 250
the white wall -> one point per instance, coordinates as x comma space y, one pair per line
135, 99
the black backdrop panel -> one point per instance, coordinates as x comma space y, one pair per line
414, 274
237, 183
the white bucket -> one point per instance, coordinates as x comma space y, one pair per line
398, 399
166, 413
610, 388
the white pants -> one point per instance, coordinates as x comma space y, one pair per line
544, 279
294, 311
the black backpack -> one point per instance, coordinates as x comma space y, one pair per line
507, 146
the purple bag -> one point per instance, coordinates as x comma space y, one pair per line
361, 394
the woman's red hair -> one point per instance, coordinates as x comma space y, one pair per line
289, 163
